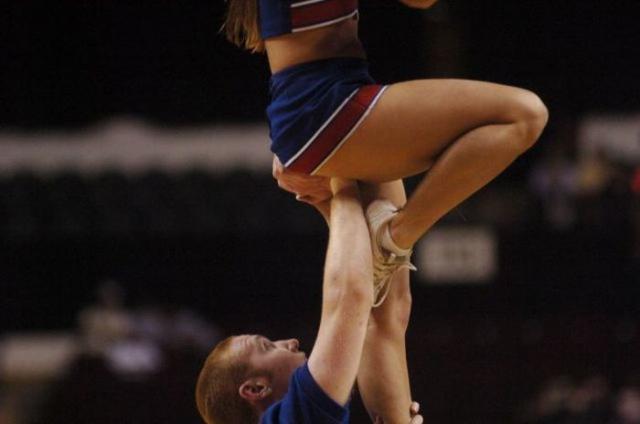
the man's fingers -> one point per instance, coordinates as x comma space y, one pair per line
312, 200
310, 189
415, 407
417, 419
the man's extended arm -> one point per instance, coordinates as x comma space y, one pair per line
347, 295
383, 376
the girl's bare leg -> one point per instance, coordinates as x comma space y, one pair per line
464, 132
383, 377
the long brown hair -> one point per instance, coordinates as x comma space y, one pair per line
241, 25
217, 394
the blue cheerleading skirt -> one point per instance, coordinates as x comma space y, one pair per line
315, 107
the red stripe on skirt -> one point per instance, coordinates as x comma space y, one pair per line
336, 130
324, 11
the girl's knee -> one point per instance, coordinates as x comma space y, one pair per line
530, 116
402, 306
403, 313
535, 111
392, 318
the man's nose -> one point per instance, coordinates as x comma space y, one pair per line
293, 345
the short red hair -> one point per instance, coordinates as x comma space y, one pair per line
217, 394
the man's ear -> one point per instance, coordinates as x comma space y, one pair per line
255, 389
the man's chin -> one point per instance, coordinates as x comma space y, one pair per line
303, 358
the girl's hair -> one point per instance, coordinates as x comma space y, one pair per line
241, 25
217, 395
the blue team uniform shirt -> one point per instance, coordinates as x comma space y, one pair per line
305, 403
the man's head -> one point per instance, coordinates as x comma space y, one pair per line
243, 375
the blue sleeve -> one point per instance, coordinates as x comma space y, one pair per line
305, 403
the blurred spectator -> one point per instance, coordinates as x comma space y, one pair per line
139, 366
175, 327
589, 402
134, 358
592, 190
555, 181
549, 405
132, 342
595, 174
605, 195
627, 406
106, 322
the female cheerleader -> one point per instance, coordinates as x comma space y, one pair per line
329, 118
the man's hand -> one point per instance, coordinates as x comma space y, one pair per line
307, 188
415, 417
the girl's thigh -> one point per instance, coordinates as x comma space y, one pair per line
413, 122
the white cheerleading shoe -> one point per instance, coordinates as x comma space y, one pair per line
385, 263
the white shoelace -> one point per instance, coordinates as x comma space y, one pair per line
383, 272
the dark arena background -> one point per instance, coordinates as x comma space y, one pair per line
139, 222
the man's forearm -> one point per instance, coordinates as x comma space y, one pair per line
349, 250
346, 298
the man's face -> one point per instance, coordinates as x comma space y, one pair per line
278, 358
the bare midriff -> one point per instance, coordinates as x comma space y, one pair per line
337, 40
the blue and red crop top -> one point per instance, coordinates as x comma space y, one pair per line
279, 17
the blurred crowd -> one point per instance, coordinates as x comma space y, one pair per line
130, 365
588, 191
591, 400
123, 336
